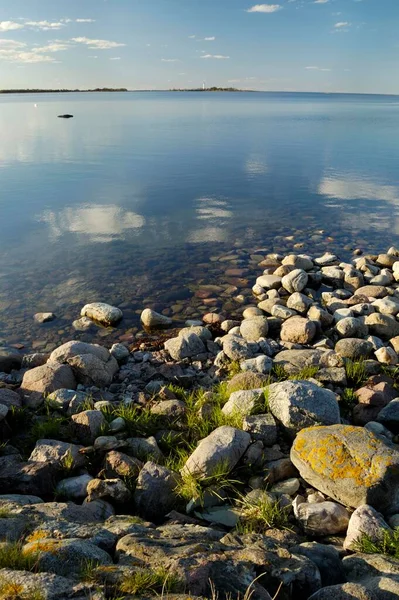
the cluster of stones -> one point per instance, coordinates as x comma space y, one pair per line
336, 472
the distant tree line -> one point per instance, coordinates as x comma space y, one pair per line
39, 91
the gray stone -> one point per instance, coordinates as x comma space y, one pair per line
295, 281
372, 291
269, 282
102, 313
88, 425
169, 408
119, 352
349, 464
298, 261
364, 521
46, 379
44, 317
75, 348
383, 326
73, 487
322, 518
145, 449
111, 489
223, 447
389, 416
236, 348
299, 302
282, 312
300, 404
260, 364
54, 451
155, 493
244, 402
387, 306
185, 346
45, 585
350, 327
3, 411
153, 320
10, 398
90, 370
345, 591
254, 328
262, 428
298, 330
327, 560
353, 348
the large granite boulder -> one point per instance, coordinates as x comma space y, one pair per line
349, 464
300, 404
91, 364
46, 379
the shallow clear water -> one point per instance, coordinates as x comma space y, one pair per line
133, 200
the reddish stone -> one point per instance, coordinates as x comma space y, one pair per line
212, 318
236, 272
203, 294
372, 398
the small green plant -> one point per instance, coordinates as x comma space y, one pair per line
233, 369
15, 591
88, 570
308, 372
12, 557
348, 401
67, 461
19, 418
156, 581
48, 428
140, 422
356, 373
388, 543
261, 514
278, 372
5, 513
191, 486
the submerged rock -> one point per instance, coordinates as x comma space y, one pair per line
102, 313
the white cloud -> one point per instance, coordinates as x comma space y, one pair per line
11, 44
115, 58
85, 20
54, 47
209, 39
97, 44
10, 26
192, 37
170, 60
312, 68
321, 1
44, 25
217, 56
341, 24
264, 8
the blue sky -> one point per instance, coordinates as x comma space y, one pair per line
301, 45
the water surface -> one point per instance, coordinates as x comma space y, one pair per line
135, 199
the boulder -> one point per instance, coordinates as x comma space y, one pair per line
74, 488
372, 291
222, 448
254, 328
299, 302
90, 370
298, 330
10, 398
119, 352
349, 464
46, 379
261, 428
365, 521
44, 317
3, 412
75, 348
327, 560
236, 348
88, 424
153, 320
56, 452
111, 489
322, 518
389, 416
244, 402
32, 478
295, 281
345, 591
118, 464
300, 404
383, 326
353, 348
155, 494
102, 313
187, 345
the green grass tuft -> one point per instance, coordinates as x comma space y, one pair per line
151, 581
387, 544
259, 515
12, 557
356, 374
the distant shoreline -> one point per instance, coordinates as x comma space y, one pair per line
178, 90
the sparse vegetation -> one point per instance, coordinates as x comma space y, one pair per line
388, 543
356, 374
12, 557
15, 591
261, 514
143, 581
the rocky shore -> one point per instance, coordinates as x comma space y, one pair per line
251, 455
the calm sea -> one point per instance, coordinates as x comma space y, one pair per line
135, 200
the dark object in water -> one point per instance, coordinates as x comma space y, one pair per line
65, 116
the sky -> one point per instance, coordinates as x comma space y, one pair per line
283, 45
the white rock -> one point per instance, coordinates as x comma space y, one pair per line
44, 317
289, 487
242, 402
387, 306
102, 313
322, 518
295, 281
268, 282
386, 356
254, 328
364, 521
150, 318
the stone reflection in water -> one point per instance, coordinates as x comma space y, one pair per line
99, 223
